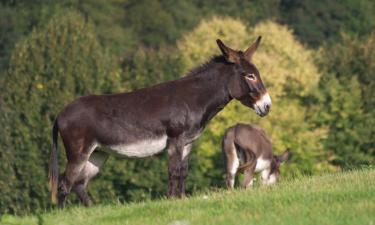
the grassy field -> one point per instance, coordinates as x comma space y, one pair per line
342, 198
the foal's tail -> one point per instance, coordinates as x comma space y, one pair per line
53, 173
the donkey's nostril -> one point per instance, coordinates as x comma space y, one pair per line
267, 107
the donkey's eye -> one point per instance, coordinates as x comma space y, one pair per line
250, 76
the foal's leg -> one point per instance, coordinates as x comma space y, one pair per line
248, 175
230, 157
232, 166
91, 168
265, 175
77, 155
175, 150
249, 169
184, 170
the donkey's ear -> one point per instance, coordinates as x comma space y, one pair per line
229, 54
251, 50
284, 156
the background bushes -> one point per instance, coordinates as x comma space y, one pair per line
316, 59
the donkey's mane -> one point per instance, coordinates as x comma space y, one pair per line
214, 60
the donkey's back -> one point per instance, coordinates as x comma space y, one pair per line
251, 137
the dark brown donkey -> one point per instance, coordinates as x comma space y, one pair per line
146, 121
247, 148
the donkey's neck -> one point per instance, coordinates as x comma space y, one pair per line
211, 85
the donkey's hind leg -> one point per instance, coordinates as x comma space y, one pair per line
80, 189
77, 156
230, 157
91, 169
248, 168
248, 176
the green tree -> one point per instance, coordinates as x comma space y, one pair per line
151, 22
349, 127
349, 93
7, 175
148, 67
111, 27
251, 11
17, 19
315, 22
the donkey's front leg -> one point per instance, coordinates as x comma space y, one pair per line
184, 170
174, 167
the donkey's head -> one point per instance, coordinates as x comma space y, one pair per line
277, 160
245, 84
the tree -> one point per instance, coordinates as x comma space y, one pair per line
315, 22
349, 94
349, 127
151, 22
7, 175
148, 67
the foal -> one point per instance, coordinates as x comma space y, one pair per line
247, 148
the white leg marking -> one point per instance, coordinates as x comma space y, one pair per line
231, 182
264, 175
271, 179
93, 165
186, 151
235, 163
234, 166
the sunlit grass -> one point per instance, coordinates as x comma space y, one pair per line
341, 198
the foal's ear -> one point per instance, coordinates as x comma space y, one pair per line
251, 50
229, 54
284, 156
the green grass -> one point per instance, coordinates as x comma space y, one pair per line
341, 198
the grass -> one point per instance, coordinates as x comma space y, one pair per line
341, 198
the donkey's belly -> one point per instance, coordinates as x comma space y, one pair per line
141, 148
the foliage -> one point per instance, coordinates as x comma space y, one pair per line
17, 19
147, 67
7, 176
315, 22
251, 11
349, 97
350, 128
110, 28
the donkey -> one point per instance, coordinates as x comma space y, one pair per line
144, 122
246, 148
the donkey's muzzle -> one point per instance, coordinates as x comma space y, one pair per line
263, 105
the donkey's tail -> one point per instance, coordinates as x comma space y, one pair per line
53, 173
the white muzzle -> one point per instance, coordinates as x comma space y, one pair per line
263, 105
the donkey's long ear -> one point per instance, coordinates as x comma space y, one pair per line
284, 156
229, 54
251, 50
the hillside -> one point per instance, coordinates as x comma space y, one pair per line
342, 198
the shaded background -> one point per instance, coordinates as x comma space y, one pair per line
317, 60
